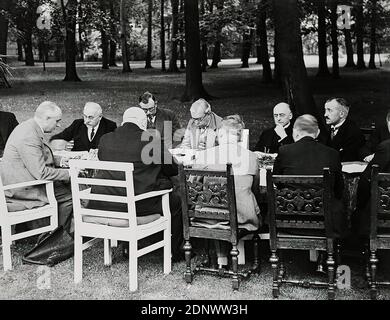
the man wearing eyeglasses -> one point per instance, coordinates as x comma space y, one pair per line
202, 129
163, 120
86, 132
272, 138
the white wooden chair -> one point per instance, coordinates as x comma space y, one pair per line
245, 139
9, 218
113, 225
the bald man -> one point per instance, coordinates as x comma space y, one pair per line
86, 132
28, 157
272, 138
202, 129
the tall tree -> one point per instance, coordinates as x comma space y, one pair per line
204, 61
335, 44
359, 34
103, 32
123, 19
289, 47
148, 59
349, 48
162, 35
174, 40
194, 87
81, 29
181, 28
373, 23
217, 44
322, 45
4, 6
263, 42
113, 35
70, 13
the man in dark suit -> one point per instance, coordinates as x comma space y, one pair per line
272, 138
8, 123
87, 132
163, 120
361, 218
308, 157
150, 172
344, 136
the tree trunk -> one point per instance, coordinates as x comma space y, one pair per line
148, 59
349, 48
3, 28
263, 42
162, 35
20, 49
359, 35
113, 35
203, 57
291, 64
371, 64
322, 45
105, 58
181, 27
70, 41
123, 19
217, 43
194, 87
81, 25
335, 44
28, 49
246, 48
175, 26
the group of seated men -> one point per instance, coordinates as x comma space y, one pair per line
28, 156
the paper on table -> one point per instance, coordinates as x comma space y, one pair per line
354, 167
71, 154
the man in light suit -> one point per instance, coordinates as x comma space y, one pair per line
86, 132
8, 123
163, 120
27, 157
202, 129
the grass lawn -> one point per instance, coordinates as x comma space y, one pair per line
235, 90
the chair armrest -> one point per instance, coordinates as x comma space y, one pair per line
26, 184
152, 194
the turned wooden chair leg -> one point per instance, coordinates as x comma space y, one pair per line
234, 255
187, 253
331, 276
373, 266
275, 283
256, 260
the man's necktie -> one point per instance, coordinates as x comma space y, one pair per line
92, 134
332, 133
150, 122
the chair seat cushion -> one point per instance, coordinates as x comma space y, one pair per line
14, 205
124, 223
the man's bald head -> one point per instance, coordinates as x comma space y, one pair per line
92, 114
282, 114
48, 115
305, 125
200, 108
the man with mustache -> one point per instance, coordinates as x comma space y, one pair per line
344, 135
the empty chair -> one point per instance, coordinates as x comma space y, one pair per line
299, 219
14, 213
112, 225
379, 224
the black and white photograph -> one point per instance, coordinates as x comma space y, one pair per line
195, 156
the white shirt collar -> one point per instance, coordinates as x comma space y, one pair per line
337, 126
95, 130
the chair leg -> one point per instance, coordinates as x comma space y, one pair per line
275, 283
256, 260
133, 266
234, 255
241, 250
187, 253
6, 239
107, 252
78, 258
373, 264
331, 276
167, 251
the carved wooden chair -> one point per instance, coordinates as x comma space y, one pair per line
379, 224
209, 212
298, 219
